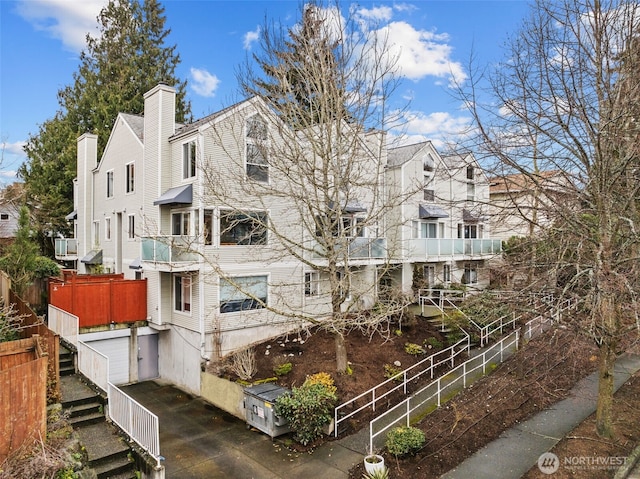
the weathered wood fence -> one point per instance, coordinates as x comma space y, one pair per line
23, 393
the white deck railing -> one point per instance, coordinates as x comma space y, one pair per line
401, 413
133, 418
384, 389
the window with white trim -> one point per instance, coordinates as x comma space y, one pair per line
429, 230
107, 229
96, 233
130, 178
429, 272
471, 192
446, 273
189, 152
131, 230
470, 274
182, 293
257, 164
467, 231
243, 293
110, 184
243, 228
312, 283
181, 223
208, 227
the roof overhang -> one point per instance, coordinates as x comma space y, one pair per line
93, 257
72, 216
431, 211
182, 195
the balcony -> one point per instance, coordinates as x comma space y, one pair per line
170, 253
358, 248
67, 249
448, 247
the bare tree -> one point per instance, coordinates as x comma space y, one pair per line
566, 100
313, 156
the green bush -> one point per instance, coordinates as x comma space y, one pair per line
45, 267
433, 342
308, 409
392, 372
413, 349
405, 440
283, 369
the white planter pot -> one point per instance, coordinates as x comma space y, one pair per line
371, 466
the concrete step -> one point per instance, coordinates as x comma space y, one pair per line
86, 409
115, 467
86, 419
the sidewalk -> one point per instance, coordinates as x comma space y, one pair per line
518, 449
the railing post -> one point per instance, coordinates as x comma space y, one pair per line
373, 399
464, 374
408, 409
404, 386
431, 357
438, 382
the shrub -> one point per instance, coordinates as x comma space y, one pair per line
282, 369
308, 408
413, 349
433, 342
405, 440
377, 474
323, 379
392, 372
244, 364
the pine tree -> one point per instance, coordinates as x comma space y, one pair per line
127, 59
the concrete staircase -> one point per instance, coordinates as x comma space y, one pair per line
108, 453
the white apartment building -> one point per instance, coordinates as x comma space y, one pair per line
186, 208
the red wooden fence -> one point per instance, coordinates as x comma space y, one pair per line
23, 394
99, 300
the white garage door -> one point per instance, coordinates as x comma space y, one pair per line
117, 350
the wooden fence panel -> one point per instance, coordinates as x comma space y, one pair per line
23, 396
99, 300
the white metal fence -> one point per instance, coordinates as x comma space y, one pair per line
377, 393
133, 418
136, 420
441, 387
417, 403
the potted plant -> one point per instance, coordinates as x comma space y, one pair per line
374, 463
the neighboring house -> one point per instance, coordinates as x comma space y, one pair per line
10, 198
523, 205
163, 204
445, 229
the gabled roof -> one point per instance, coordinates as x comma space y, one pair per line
400, 155
136, 123
184, 129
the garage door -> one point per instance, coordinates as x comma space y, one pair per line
117, 350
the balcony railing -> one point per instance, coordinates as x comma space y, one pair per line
168, 249
357, 248
66, 247
424, 247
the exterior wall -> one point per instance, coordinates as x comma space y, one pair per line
180, 358
8, 220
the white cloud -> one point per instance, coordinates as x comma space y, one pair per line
251, 37
441, 128
421, 53
383, 13
204, 83
68, 21
16, 148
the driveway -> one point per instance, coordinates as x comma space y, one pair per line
200, 441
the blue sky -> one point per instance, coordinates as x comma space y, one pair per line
40, 42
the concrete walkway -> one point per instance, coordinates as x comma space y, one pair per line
518, 449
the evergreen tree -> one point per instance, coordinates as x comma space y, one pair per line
20, 259
127, 59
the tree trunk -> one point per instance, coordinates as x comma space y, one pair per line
604, 411
341, 353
